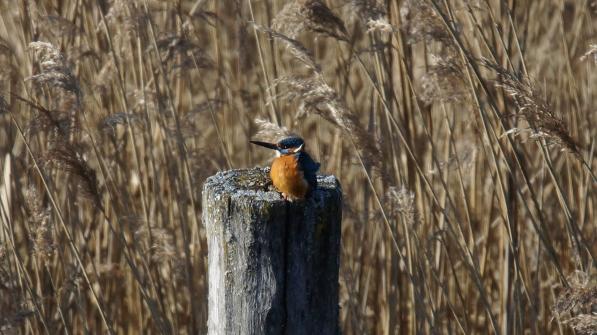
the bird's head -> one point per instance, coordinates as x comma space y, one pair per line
286, 146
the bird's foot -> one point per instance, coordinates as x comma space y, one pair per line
288, 197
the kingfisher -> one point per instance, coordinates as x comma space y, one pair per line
293, 171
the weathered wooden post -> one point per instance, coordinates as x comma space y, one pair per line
273, 265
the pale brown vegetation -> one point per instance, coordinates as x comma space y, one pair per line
463, 133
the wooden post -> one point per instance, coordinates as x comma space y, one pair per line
273, 264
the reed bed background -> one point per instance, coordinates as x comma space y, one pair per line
462, 131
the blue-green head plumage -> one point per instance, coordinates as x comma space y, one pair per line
295, 146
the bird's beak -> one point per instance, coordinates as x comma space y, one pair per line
265, 144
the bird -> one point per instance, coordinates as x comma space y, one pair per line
293, 171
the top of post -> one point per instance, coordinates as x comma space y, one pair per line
256, 184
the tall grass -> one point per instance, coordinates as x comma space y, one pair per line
463, 133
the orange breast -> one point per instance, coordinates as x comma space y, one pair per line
288, 177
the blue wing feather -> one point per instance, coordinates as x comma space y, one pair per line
309, 167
